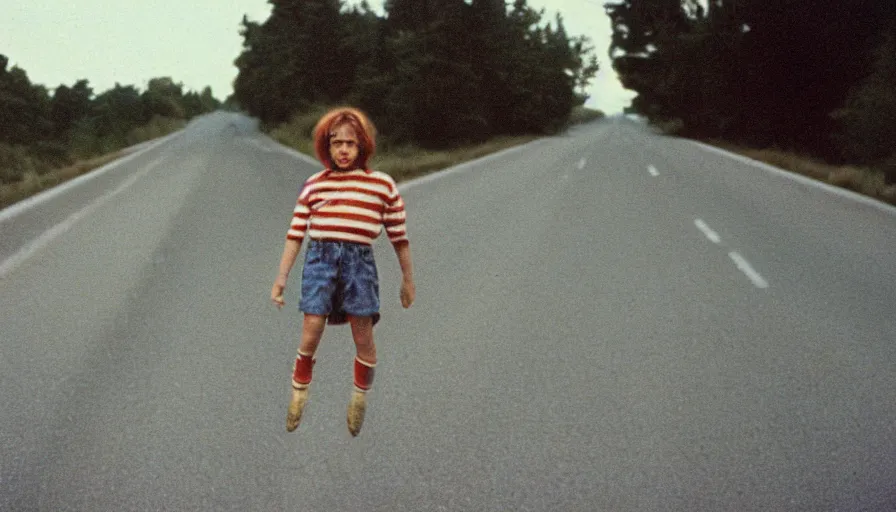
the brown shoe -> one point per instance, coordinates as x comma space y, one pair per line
356, 408
296, 406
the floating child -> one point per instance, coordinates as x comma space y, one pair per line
341, 210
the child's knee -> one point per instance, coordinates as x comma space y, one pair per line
315, 322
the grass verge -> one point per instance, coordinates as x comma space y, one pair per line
33, 182
406, 162
865, 181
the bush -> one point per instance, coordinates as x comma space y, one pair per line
298, 131
157, 127
15, 162
584, 114
859, 180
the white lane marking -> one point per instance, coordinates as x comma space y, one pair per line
712, 235
466, 166
800, 178
260, 145
292, 152
582, 163
652, 170
747, 269
26, 204
48, 236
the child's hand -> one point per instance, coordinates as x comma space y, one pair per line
408, 293
277, 292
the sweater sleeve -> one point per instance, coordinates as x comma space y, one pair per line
300, 215
395, 219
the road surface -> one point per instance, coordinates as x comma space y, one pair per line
606, 320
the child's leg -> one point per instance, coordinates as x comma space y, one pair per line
312, 330
362, 332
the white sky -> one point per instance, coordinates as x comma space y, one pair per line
196, 41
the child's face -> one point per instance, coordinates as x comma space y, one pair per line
344, 147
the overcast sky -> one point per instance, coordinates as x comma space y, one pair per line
196, 41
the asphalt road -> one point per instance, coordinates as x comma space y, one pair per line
605, 320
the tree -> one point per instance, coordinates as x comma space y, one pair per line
868, 121
292, 60
68, 106
117, 111
24, 107
751, 71
163, 97
433, 98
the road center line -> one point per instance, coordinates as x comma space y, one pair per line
582, 163
747, 269
49, 235
712, 235
652, 170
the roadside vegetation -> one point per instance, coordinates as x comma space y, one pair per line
454, 80
749, 76
406, 161
46, 139
444, 82
864, 180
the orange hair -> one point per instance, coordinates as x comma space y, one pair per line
364, 130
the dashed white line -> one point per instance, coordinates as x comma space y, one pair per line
582, 163
652, 170
712, 235
747, 269
44, 240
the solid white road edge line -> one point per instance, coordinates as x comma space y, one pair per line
712, 235
747, 269
24, 205
800, 178
48, 236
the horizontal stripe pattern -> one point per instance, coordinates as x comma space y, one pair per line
353, 206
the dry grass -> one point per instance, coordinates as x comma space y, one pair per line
405, 162
863, 180
584, 114
33, 183
410, 162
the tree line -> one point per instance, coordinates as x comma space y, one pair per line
435, 73
41, 131
820, 80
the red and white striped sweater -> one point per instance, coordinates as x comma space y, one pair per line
349, 206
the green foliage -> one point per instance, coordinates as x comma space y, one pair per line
292, 60
39, 132
436, 73
24, 107
868, 120
750, 71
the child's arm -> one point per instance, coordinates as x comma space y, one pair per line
408, 290
290, 253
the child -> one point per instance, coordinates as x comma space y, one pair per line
343, 208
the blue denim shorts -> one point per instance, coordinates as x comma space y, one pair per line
339, 279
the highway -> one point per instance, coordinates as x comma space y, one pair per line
607, 319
